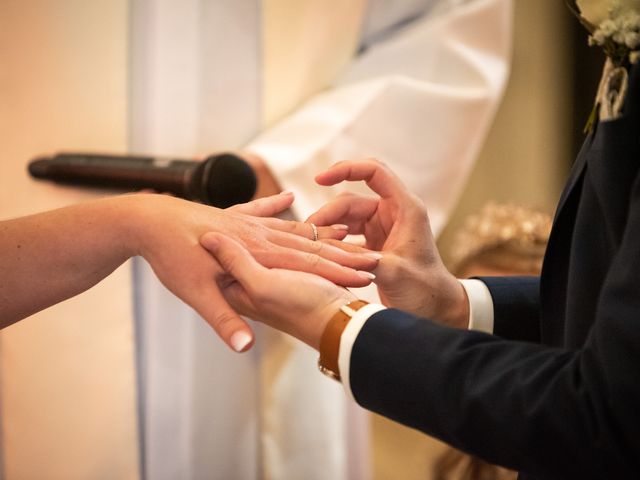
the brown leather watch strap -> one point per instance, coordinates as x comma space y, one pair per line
330, 340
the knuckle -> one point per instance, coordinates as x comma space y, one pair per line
289, 226
378, 163
312, 260
223, 319
316, 247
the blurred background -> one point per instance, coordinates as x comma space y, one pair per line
64, 81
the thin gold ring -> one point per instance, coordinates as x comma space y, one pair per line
314, 229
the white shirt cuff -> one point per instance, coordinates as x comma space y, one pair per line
348, 338
480, 305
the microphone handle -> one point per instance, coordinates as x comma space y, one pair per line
112, 171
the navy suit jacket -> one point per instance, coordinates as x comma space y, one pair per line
555, 393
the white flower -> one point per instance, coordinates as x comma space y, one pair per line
615, 24
622, 29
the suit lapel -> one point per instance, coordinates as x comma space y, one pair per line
574, 175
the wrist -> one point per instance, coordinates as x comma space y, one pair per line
455, 309
326, 314
134, 220
119, 224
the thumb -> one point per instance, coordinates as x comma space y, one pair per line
229, 326
234, 259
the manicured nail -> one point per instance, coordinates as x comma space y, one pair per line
374, 255
340, 226
367, 275
240, 340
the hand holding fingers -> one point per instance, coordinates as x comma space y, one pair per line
166, 232
231, 328
354, 249
269, 206
310, 262
330, 262
399, 227
306, 230
372, 216
235, 260
301, 237
389, 221
295, 302
389, 268
262, 237
349, 209
376, 174
193, 281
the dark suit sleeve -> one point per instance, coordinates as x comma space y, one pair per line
516, 307
549, 412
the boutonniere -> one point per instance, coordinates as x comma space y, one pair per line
613, 25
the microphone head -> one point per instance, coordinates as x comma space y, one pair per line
39, 167
224, 180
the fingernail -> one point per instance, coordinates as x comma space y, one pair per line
340, 226
286, 192
240, 340
367, 275
374, 255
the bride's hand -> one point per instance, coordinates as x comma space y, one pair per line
166, 232
297, 303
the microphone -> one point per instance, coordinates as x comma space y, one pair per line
220, 180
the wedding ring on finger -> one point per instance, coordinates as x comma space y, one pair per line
314, 231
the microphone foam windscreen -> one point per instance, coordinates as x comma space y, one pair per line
229, 180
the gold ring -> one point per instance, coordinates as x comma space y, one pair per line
315, 231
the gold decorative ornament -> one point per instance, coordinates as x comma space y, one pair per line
502, 236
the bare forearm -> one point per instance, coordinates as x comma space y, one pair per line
49, 257
52, 256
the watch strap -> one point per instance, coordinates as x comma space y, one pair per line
330, 340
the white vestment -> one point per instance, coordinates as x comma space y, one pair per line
303, 84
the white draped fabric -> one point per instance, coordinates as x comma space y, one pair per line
195, 90
303, 84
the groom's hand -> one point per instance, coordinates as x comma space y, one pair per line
411, 275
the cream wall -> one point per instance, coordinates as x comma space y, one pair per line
67, 382
525, 160
528, 152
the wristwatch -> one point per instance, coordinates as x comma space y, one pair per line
330, 340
